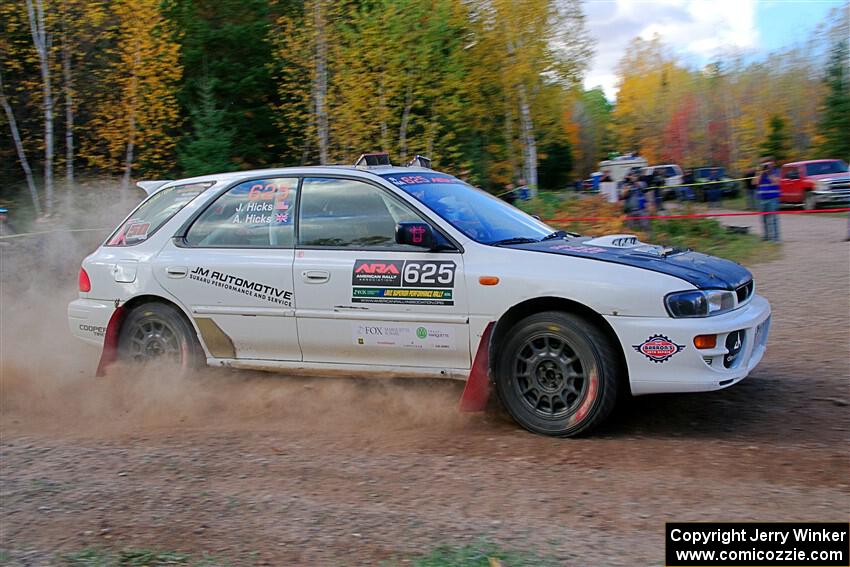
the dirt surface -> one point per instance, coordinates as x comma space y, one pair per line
264, 469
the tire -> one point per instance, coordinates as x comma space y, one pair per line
809, 202
557, 374
157, 333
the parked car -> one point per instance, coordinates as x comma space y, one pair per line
405, 271
672, 173
815, 183
728, 189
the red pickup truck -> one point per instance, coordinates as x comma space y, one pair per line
815, 183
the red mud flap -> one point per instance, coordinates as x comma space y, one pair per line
110, 342
477, 390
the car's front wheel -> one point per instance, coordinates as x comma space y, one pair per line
158, 333
557, 374
810, 202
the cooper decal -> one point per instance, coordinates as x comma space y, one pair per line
93, 329
422, 282
241, 285
658, 348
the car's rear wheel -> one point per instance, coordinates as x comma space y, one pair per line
557, 374
158, 333
810, 203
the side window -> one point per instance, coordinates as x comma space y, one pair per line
347, 213
253, 214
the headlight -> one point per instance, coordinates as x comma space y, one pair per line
699, 303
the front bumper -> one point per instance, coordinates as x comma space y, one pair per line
834, 197
691, 369
88, 319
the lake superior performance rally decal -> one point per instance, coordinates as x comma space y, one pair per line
416, 282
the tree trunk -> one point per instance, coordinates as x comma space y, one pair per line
321, 87
405, 121
42, 42
131, 121
529, 142
67, 79
22, 157
509, 140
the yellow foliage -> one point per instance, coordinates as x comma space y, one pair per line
137, 103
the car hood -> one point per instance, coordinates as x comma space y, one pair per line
701, 270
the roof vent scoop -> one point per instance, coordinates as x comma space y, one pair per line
373, 160
616, 241
420, 161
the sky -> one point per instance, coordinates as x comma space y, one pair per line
696, 29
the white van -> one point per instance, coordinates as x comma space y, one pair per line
619, 167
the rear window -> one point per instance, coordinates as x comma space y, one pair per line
155, 212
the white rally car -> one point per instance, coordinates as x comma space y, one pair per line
405, 271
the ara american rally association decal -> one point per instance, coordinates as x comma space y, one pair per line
412, 282
658, 348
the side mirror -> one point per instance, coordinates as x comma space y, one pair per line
418, 234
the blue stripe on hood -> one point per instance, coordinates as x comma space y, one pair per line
701, 270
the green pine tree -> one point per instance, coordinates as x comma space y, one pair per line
778, 140
835, 122
208, 149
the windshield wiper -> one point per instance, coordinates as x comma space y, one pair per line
559, 234
514, 240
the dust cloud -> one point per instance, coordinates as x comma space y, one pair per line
47, 381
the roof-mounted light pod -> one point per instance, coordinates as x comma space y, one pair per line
373, 160
420, 161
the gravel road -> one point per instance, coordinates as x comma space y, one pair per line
262, 469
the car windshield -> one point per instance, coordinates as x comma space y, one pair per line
826, 167
475, 213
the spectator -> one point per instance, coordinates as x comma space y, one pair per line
714, 189
634, 201
768, 196
686, 192
522, 192
750, 187
658, 181
509, 195
606, 177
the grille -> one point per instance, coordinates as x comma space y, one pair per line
744, 292
841, 185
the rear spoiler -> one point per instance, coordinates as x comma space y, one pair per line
151, 187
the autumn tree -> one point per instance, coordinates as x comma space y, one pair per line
229, 42
136, 116
835, 121
42, 39
208, 149
777, 142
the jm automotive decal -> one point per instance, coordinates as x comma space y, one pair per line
422, 282
242, 285
658, 348
422, 337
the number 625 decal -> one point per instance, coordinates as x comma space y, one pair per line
435, 273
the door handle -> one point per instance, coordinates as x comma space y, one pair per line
177, 271
316, 276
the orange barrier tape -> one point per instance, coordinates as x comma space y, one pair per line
697, 215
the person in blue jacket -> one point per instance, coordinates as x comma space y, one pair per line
768, 195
